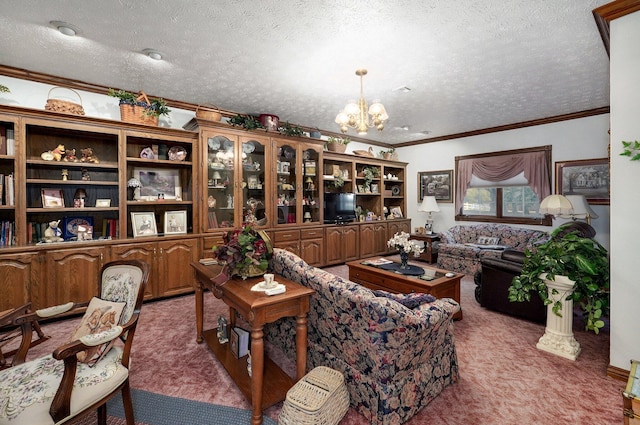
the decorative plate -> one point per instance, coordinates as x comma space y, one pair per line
213, 143
248, 147
227, 145
177, 153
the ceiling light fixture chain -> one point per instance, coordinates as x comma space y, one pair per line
360, 117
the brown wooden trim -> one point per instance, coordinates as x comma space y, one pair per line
610, 11
514, 126
545, 221
546, 148
618, 373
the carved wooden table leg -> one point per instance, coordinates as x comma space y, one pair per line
199, 311
301, 346
257, 371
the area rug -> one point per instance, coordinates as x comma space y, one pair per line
156, 409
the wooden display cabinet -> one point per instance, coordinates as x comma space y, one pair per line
19, 280
237, 178
164, 167
297, 182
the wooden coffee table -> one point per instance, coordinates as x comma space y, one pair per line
375, 278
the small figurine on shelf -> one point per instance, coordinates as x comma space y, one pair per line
88, 156
53, 232
85, 175
65, 174
79, 197
58, 152
229, 201
70, 156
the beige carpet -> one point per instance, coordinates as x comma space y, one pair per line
504, 378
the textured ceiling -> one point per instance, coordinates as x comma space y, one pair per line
470, 64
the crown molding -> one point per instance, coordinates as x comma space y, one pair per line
610, 11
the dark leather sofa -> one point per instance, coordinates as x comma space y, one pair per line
494, 279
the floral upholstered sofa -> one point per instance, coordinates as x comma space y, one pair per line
462, 247
395, 359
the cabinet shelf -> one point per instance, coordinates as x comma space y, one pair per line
63, 164
72, 182
147, 162
156, 203
71, 209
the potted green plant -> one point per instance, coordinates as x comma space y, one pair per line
138, 108
337, 144
388, 154
583, 261
290, 130
369, 174
248, 122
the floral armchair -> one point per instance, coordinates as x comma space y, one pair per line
395, 359
90, 368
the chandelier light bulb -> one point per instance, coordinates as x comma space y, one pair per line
359, 116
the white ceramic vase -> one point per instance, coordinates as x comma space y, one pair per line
558, 335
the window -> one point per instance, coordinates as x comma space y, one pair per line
504, 187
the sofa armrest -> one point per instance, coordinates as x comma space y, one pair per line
513, 255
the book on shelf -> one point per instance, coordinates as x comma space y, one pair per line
239, 342
3, 140
9, 190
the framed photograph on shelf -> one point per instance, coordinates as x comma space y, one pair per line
143, 224
588, 177
175, 222
103, 203
436, 183
158, 183
70, 226
52, 198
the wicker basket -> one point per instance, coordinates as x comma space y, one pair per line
319, 398
138, 114
208, 112
337, 147
64, 106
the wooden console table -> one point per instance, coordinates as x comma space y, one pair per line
268, 384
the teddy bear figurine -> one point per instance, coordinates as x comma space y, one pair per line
58, 152
53, 232
70, 156
88, 156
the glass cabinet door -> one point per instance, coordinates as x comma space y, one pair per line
311, 184
286, 181
221, 172
254, 181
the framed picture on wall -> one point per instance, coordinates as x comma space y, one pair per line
588, 177
436, 183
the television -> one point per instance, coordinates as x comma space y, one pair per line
339, 207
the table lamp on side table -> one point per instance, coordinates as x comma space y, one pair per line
581, 209
429, 205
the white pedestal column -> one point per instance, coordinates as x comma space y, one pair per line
558, 335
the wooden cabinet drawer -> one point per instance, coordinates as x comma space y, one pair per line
316, 232
286, 235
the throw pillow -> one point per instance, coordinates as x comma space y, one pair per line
410, 301
100, 316
488, 240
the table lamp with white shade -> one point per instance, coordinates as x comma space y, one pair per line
430, 206
556, 205
581, 209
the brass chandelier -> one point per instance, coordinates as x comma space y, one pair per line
356, 115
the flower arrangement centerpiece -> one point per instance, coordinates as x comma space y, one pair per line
401, 242
245, 252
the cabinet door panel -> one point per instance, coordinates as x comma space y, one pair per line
143, 252
351, 243
176, 275
367, 241
333, 241
72, 274
312, 250
16, 272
